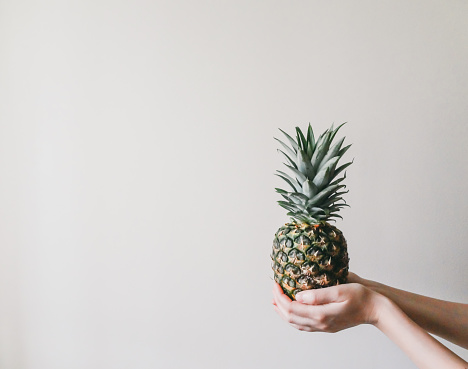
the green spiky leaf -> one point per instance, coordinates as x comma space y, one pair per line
300, 177
333, 152
341, 168
291, 140
309, 189
286, 147
288, 182
298, 195
317, 187
322, 195
288, 158
310, 141
301, 139
304, 165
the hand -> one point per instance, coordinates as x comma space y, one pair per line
330, 309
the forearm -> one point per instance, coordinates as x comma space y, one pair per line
425, 351
445, 319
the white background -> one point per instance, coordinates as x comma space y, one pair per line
136, 156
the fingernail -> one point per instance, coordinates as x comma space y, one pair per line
299, 297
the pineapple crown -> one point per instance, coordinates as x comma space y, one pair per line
316, 192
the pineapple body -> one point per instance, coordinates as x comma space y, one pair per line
307, 256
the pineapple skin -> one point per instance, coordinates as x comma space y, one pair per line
309, 256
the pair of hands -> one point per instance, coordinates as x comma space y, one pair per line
330, 309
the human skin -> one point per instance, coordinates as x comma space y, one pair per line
445, 319
340, 307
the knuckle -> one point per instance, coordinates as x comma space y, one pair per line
359, 288
320, 318
338, 293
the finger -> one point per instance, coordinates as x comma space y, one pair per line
293, 311
299, 327
319, 318
279, 295
276, 308
321, 296
303, 328
277, 290
278, 311
282, 301
285, 305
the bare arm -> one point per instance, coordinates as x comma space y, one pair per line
445, 319
422, 348
336, 308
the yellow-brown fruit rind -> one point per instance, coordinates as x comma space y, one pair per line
309, 256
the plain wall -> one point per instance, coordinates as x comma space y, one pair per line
137, 208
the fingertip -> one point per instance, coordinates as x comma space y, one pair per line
277, 289
306, 297
279, 295
303, 295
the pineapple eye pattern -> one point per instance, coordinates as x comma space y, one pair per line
286, 242
322, 263
289, 282
295, 256
310, 268
302, 240
276, 244
305, 282
293, 270
277, 268
314, 253
292, 254
281, 257
334, 249
327, 263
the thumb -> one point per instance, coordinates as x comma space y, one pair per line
320, 296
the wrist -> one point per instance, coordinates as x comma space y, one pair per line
374, 286
386, 309
379, 308
366, 282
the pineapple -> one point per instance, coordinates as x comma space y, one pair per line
309, 252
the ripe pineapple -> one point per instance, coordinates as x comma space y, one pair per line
309, 252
